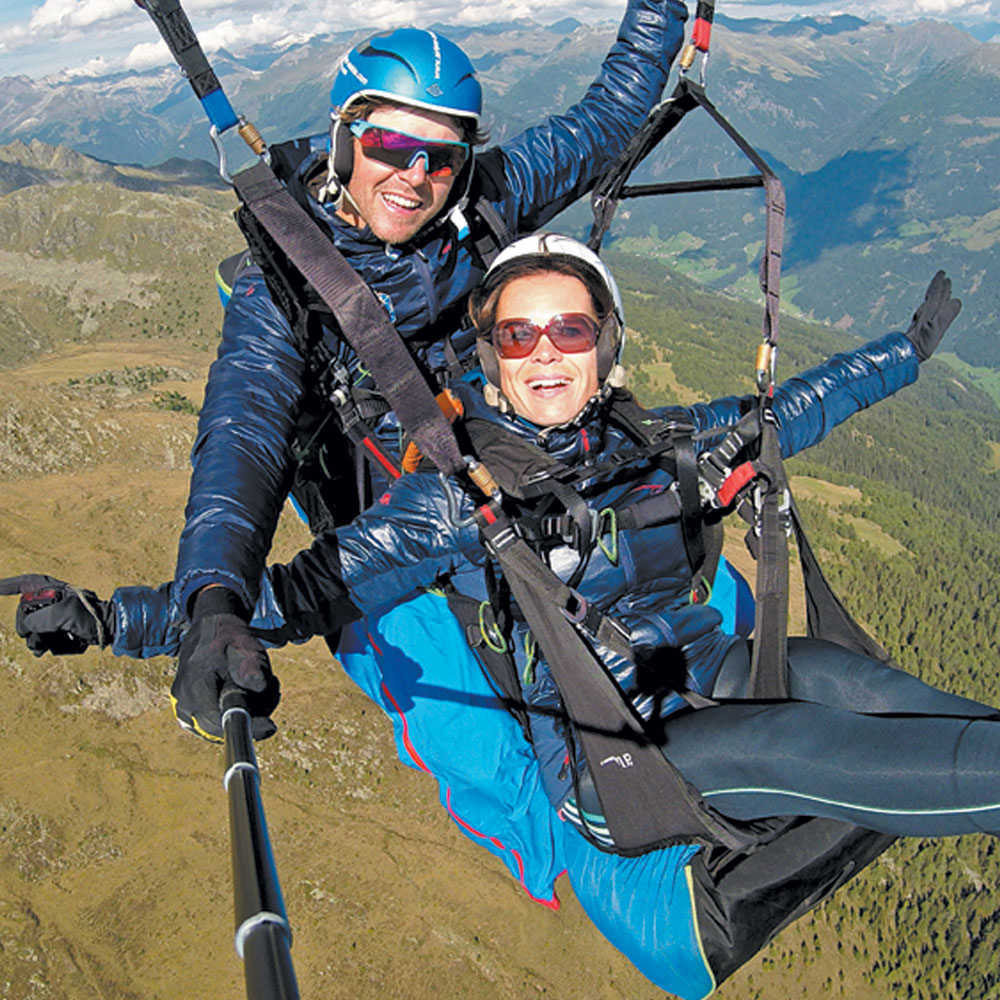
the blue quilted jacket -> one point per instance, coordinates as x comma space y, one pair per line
242, 458
419, 530
422, 530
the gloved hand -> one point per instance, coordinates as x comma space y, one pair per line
219, 647
932, 319
56, 617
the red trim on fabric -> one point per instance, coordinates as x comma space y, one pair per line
410, 748
488, 516
585, 439
701, 34
735, 481
551, 904
465, 826
382, 457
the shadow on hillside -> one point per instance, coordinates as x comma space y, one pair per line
865, 187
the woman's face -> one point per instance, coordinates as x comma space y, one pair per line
547, 386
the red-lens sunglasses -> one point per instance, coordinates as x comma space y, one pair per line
401, 150
570, 333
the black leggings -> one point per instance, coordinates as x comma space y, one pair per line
860, 742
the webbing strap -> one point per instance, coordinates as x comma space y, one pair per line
361, 318
644, 799
690, 497
768, 667
176, 31
610, 188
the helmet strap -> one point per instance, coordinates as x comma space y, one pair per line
608, 344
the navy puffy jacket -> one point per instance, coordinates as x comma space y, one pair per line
242, 461
422, 530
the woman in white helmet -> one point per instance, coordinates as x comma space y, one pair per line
550, 334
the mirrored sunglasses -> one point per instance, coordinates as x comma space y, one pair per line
570, 333
401, 150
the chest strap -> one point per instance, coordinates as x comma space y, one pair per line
361, 318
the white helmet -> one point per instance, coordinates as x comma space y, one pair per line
564, 249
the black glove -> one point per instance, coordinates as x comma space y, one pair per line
932, 319
56, 617
219, 647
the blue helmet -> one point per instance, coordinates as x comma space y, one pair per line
410, 66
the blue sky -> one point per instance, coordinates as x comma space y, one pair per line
42, 37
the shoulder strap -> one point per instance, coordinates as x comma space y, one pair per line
362, 320
497, 235
645, 800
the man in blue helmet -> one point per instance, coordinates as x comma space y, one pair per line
396, 185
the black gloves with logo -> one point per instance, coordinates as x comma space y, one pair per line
932, 319
219, 647
56, 617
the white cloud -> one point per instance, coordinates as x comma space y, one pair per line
93, 67
147, 54
62, 14
261, 29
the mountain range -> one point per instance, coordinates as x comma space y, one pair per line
884, 135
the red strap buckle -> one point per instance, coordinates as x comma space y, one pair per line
701, 34
735, 481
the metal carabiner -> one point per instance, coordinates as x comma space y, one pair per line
247, 131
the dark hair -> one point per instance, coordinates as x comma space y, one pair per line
362, 109
483, 300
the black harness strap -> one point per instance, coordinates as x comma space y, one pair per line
768, 669
644, 799
690, 497
497, 235
362, 320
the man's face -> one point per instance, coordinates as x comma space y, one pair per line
397, 204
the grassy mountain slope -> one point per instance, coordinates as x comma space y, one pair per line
114, 877
88, 247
